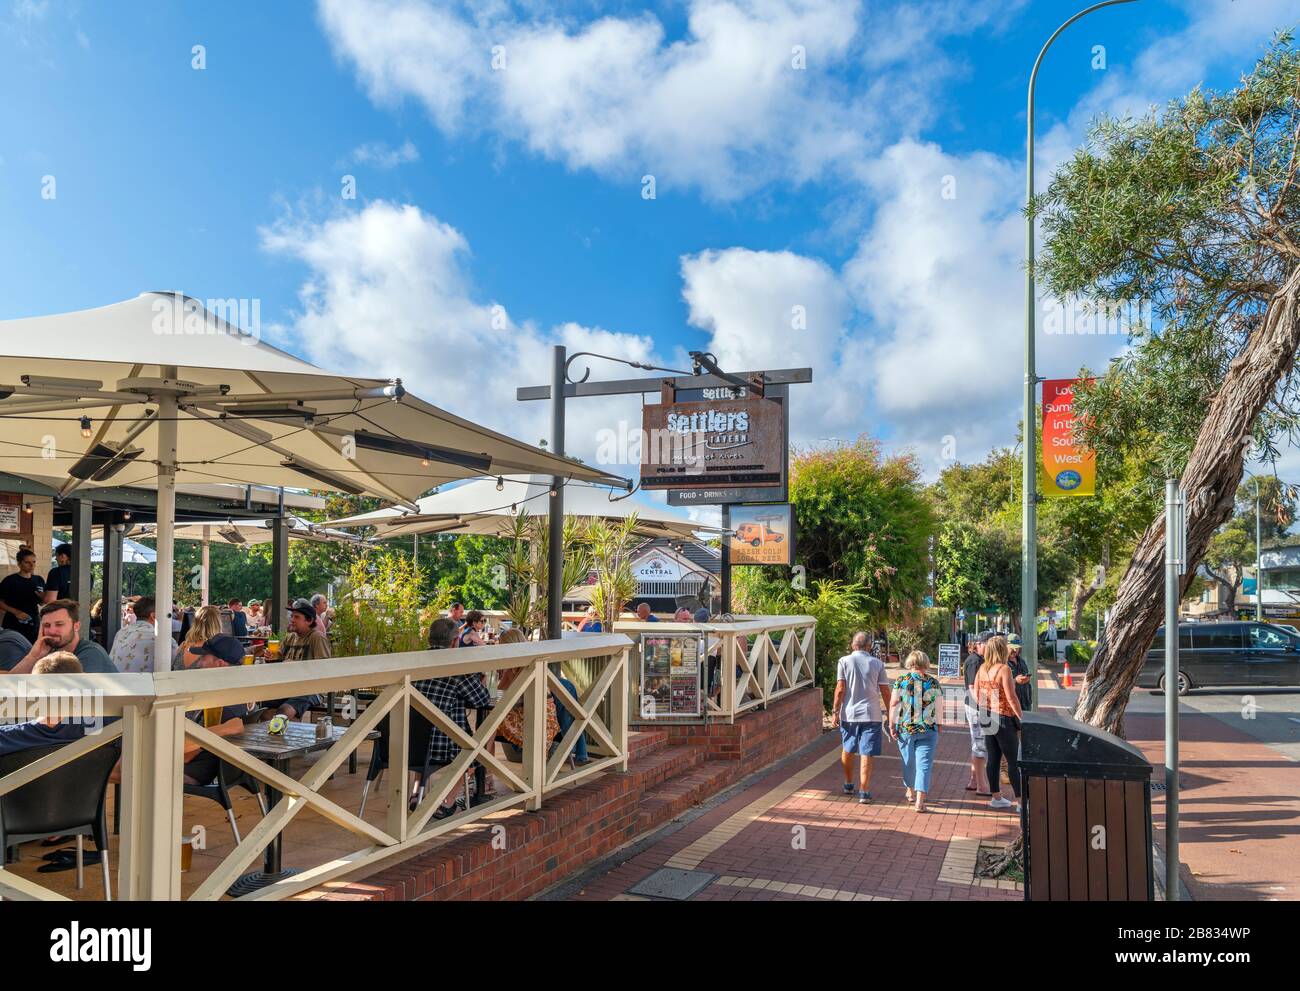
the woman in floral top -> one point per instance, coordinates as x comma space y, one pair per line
914, 724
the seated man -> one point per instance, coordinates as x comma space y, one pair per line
303, 642
13, 648
61, 630
452, 695
133, 646
220, 651
50, 730
238, 618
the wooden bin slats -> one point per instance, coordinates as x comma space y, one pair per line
1070, 859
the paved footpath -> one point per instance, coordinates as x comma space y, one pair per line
791, 834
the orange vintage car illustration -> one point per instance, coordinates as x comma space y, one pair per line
757, 534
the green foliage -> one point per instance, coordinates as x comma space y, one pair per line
1195, 210
611, 547
380, 608
1079, 653
863, 521
840, 609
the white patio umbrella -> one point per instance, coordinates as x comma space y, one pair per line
489, 506
249, 532
157, 389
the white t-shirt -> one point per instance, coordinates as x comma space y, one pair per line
862, 675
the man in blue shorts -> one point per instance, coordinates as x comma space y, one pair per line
861, 695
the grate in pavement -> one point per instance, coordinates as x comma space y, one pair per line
674, 884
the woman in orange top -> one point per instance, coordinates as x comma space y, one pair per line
999, 711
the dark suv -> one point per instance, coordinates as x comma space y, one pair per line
1226, 655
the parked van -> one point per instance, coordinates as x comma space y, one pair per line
1226, 655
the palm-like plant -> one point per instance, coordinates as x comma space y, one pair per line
611, 549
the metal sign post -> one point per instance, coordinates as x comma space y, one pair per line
1175, 566
706, 376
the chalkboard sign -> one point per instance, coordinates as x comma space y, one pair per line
949, 660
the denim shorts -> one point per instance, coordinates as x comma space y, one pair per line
862, 738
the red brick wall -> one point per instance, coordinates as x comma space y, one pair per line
684, 765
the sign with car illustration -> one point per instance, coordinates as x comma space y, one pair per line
762, 534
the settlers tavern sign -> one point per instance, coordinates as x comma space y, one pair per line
720, 443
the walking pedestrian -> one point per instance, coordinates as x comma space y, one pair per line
861, 687
914, 725
1000, 712
978, 752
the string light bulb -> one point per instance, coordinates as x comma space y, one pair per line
85, 427
501, 483
554, 492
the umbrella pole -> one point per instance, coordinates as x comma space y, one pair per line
207, 545
166, 532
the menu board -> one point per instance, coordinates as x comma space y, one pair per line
670, 674
949, 660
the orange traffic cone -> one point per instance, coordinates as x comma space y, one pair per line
1066, 675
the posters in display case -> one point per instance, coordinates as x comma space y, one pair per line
671, 664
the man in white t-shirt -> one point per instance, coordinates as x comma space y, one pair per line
861, 696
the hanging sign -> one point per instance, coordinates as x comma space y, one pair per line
1069, 468
761, 534
13, 521
713, 444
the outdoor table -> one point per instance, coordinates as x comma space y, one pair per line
278, 750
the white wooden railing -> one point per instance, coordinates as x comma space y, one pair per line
762, 658
153, 731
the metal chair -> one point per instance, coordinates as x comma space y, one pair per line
68, 801
228, 776
419, 738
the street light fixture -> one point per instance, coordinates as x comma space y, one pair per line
1029, 522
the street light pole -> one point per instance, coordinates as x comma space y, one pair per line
1029, 521
1259, 572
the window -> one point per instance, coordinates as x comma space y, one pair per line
1217, 636
1269, 637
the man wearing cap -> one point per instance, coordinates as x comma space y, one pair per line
220, 651
1020, 673
978, 753
303, 642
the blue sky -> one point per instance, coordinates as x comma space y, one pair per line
499, 210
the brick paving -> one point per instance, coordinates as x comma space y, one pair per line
792, 834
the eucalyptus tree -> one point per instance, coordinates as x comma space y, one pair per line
1195, 212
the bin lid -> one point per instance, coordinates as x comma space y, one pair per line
1053, 742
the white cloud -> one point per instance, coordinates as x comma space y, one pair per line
388, 293
383, 156
721, 108
777, 309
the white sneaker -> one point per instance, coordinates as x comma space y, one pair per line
999, 803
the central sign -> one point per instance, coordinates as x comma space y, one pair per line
713, 444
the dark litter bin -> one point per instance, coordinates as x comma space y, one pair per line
1085, 812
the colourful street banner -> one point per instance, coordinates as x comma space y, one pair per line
1069, 468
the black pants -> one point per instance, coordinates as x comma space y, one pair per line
1004, 743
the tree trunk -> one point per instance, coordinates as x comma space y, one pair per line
1210, 481
1083, 591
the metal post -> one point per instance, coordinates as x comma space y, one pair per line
279, 618
168, 412
1259, 571
555, 545
1173, 571
1029, 521
725, 566
82, 522
111, 615
206, 564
